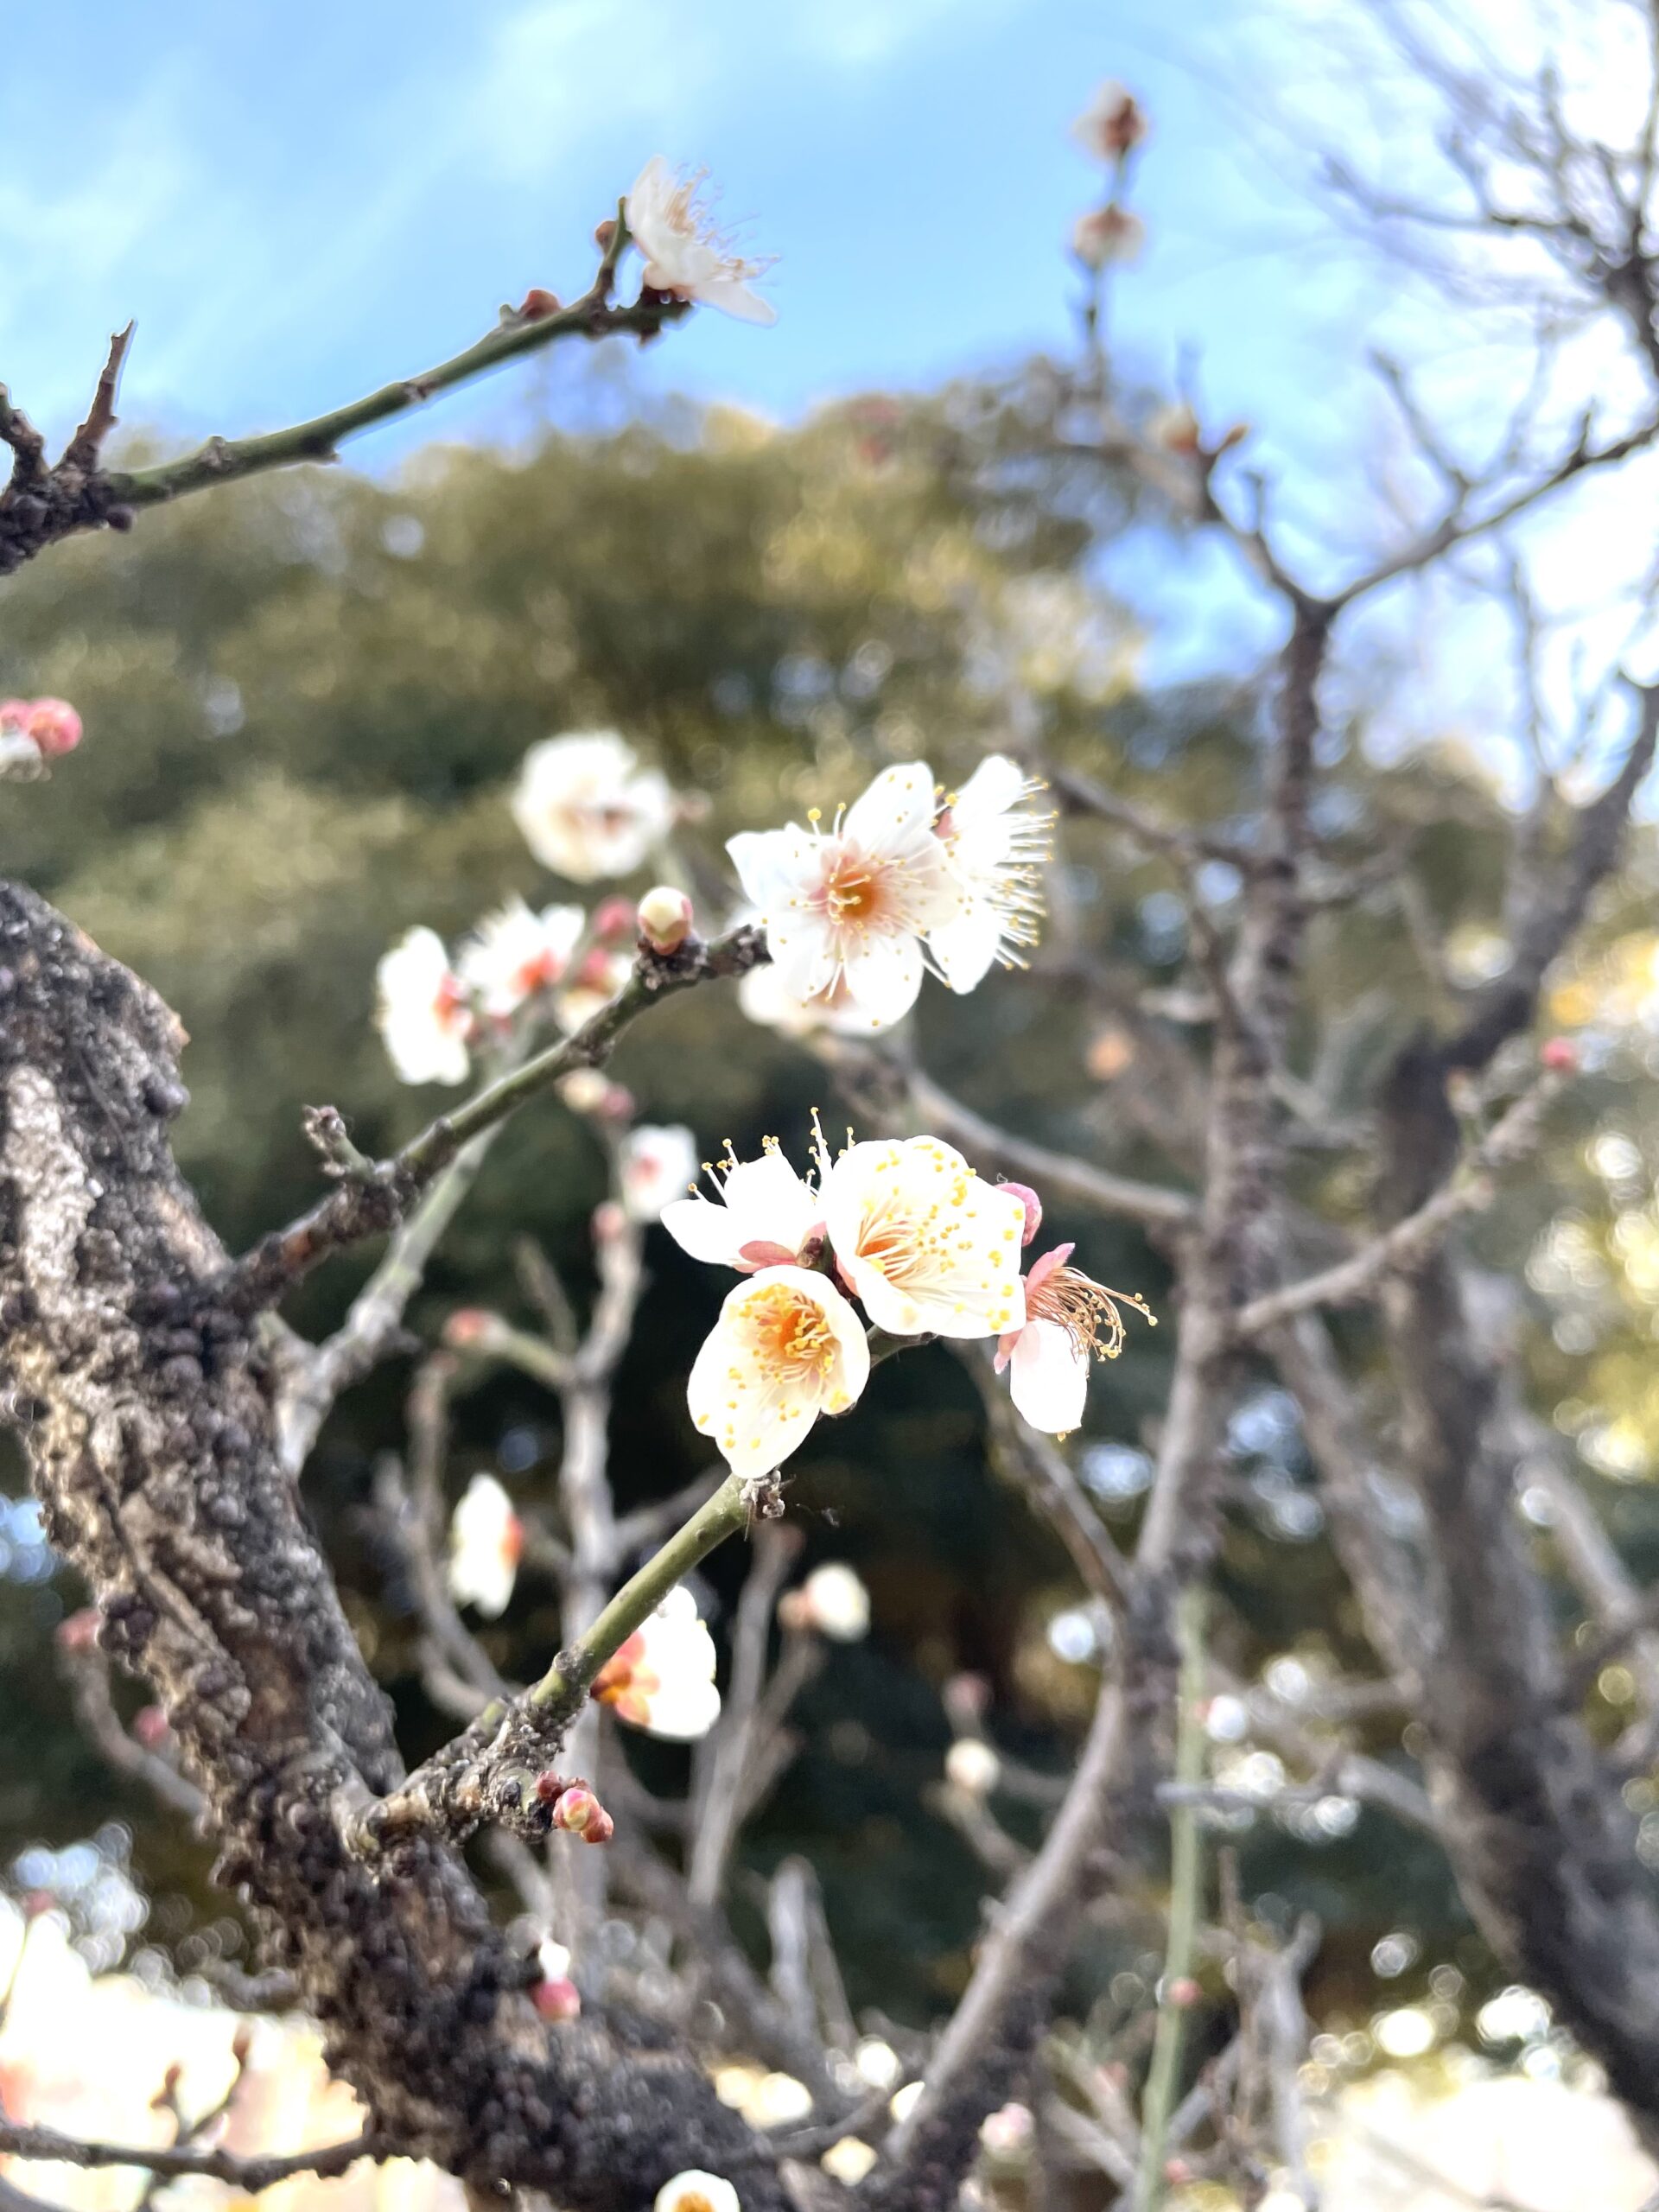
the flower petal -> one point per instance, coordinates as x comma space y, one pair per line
895, 812
966, 947
884, 974
1048, 1377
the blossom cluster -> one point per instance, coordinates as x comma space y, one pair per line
907, 878
906, 1230
1109, 130
33, 732
587, 810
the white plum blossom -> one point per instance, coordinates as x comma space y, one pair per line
929, 1248
832, 1602
487, 1541
849, 910
996, 846
661, 1678
1107, 235
654, 1165
513, 953
695, 2191
1069, 1318
599, 977
848, 2159
763, 1213
786, 1348
684, 251
1113, 125
421, 1011
587, 809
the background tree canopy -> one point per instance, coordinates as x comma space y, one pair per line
305, 701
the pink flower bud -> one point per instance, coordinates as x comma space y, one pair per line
468, 1327
557, 2000
1560, 1055
151, 1727
617, 1102
1178, 2172
609, 1222
78, 1631
1033, 1206
615, 921
595, 973
665, 918
579, 1812
1183, 1993
537, 303
54, 726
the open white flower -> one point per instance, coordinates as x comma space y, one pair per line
695, 2191
832, 1602
586, 808
421, 1010
1069, 1319
786, 1348
654, 1165
514, 953
847, 910
763, 1214
684, 252
487, 1541
930, 1249
996, 846
662, 1679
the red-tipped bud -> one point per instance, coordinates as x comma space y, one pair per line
604, 232
617, 1102
552, 1785
1178, 2171
537, 303
609, 1222
557, 2000
615, 920
54, 726
1183, 1993
468, 1327
1559, 1055
579, 1812
151, 1727
78, 1631
1033, 1204
665, 918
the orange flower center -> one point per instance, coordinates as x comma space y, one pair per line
852, 890
788, 1334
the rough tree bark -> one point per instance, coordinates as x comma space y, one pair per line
145, 1410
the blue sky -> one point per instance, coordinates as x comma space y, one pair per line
298, 201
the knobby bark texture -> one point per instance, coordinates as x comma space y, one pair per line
145, 1408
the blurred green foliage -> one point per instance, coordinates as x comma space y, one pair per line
305, 700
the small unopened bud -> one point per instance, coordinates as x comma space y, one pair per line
966, 1699
1178, 2172
1560, 1055
78, 1632
579, 1812
151, 1727
604, 232
585, 1090
557, 2000
972, 1766
537, 303
665, 918
1183, 1993
1176, 429
595, 973
1033, 1206
617, 1102
468, 1327
54, 726
614, 920
610, 1222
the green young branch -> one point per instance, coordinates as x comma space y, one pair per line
221, 460
1164, 2074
